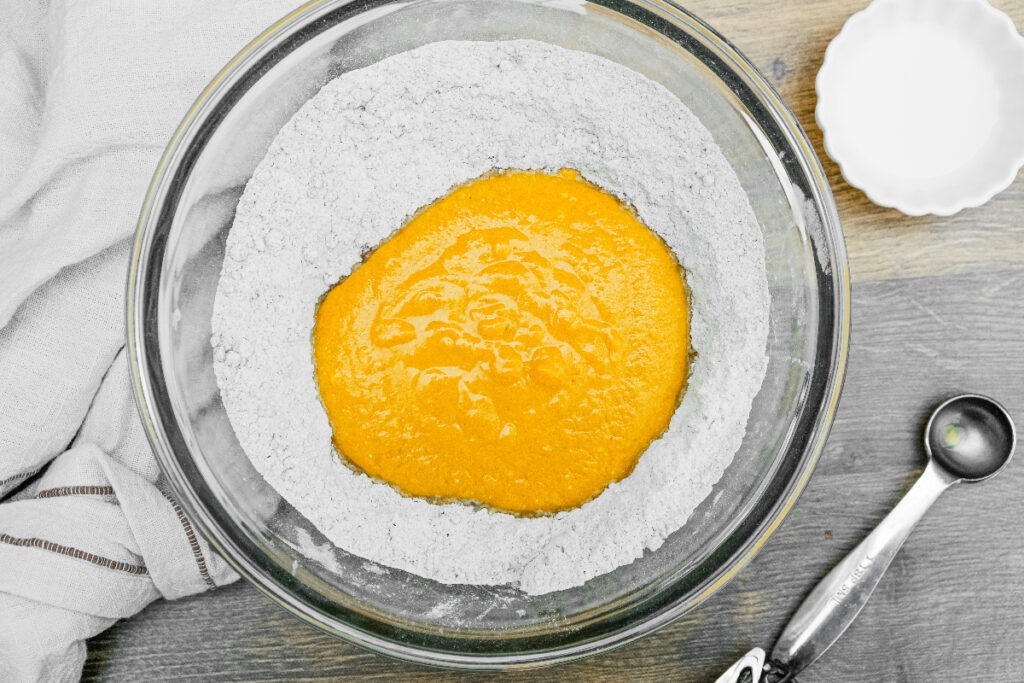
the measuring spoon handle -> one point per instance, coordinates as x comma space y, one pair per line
837, 599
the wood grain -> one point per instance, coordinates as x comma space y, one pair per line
937, 309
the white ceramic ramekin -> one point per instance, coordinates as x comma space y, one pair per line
921, 103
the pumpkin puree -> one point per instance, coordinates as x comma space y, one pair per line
518, 343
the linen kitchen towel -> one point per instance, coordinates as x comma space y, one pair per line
90, 93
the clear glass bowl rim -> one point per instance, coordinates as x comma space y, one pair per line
672, 21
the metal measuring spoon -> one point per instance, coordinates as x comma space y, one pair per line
968, 438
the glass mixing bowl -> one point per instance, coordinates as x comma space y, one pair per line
177, 260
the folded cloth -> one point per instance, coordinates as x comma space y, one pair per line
91, 92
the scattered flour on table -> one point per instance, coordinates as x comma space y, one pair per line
373, 147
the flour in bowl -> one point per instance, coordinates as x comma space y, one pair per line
375, 146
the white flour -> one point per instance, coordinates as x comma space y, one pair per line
377, 144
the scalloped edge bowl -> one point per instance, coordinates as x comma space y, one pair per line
995, 164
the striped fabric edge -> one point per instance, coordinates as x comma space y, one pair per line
197, 552
78, 554
13, 480
76, 491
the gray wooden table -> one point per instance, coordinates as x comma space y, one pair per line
938, 308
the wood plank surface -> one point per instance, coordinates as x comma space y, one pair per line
937, 310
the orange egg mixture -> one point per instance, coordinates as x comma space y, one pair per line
519, 344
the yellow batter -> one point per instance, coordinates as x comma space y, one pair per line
519, 343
